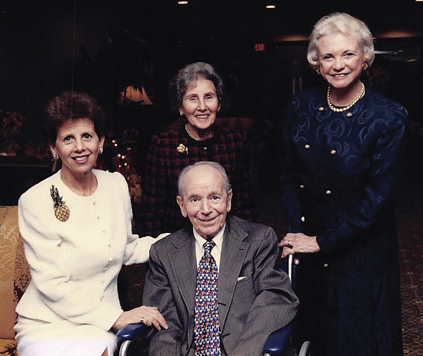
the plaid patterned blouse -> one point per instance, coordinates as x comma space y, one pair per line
169, 153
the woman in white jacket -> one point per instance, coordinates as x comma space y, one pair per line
76, 227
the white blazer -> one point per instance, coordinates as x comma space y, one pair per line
75, 264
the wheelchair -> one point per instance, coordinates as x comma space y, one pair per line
277, 344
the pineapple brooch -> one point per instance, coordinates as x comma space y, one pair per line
61, 211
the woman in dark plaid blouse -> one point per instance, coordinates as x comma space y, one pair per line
197, 93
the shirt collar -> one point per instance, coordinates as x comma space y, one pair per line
218, 238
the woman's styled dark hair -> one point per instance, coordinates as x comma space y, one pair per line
71, 105
189, 74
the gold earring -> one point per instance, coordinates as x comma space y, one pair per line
365, 66
100, 150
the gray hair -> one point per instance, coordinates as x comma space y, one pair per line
339, 22
189, 74
210, 164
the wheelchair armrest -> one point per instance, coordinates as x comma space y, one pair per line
275, 343
277, 340
133, 331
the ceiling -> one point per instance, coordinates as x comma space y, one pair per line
224, 19
240, 18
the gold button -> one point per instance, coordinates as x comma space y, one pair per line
328, 192
332, 152
301, 186
349, 114
302, 218
321, 108
325, 265
307, 147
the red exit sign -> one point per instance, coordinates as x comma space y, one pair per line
259, 47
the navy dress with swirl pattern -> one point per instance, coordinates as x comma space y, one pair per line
340, 178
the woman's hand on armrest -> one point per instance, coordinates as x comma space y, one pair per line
298, 243
147, 315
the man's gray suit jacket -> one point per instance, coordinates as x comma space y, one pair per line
255, 299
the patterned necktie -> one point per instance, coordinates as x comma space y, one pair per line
206, 330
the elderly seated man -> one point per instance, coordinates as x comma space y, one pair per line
223, 302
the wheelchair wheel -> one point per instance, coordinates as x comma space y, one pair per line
306, 349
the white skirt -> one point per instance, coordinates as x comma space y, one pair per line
62, 338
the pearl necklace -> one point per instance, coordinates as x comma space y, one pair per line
349, 106
209, 135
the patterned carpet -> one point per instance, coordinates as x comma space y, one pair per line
410, 237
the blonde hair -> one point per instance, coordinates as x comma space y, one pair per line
339, 22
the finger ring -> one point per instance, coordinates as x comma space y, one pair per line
142, 320
289, 243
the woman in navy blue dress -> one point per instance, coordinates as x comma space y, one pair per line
342, 146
